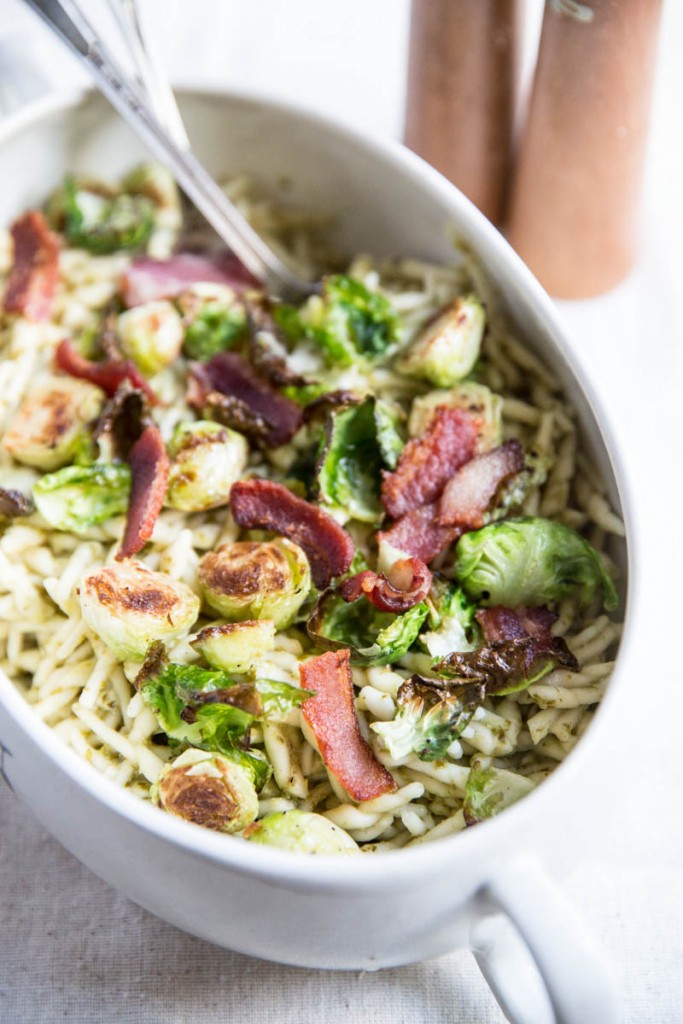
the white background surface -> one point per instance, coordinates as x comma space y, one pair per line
73, 949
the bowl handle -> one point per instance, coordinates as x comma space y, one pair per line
575, 984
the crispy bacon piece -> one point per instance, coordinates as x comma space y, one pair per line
419, 534
264, 505
405, 585
147, 279
332, 717
254, 406
108, 375
34, 275
427, 463
470, 492
500, 623
149, 466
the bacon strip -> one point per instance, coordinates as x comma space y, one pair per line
427, 463
332, 717
275, 418
34, 275
108, 375
500, 623
150, 466
419, 534
264, 505
405, 585
470, 492
147, 279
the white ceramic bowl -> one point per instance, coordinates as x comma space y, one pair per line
365, 912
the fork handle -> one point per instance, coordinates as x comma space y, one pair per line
76, 32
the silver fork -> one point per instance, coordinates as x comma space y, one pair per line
150, 73
69, 22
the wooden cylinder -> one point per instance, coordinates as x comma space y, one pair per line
574, 203
461, 92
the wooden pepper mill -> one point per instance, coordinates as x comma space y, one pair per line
574, 204
462, 76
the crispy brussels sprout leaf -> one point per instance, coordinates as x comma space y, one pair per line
451, 616
360, 440
348, 322
277, 699
490, 790
78, 497
507, 666
431, 716
350, 463
389, 440
169, 690
531, 561
103, 224
373, 637
214, 329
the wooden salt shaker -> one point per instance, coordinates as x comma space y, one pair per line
461, 90
574, 204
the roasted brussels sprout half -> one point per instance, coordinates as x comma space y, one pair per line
490, 790
348, 321
207, 789
151, 335
484, 405
235, 646
448, 347
78, 497
250, 580
129, 606
48, 431
207, 460
300, 832
531, 561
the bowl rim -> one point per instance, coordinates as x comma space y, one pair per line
334, 873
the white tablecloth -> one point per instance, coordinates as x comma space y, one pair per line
73, 949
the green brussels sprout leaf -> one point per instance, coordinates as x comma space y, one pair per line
360, 440
78, 497
373, 637
490, 790
451, 616
531, 561
215, 329
103, 224
430, 717
348, 322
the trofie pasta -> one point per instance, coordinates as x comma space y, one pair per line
331, 577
